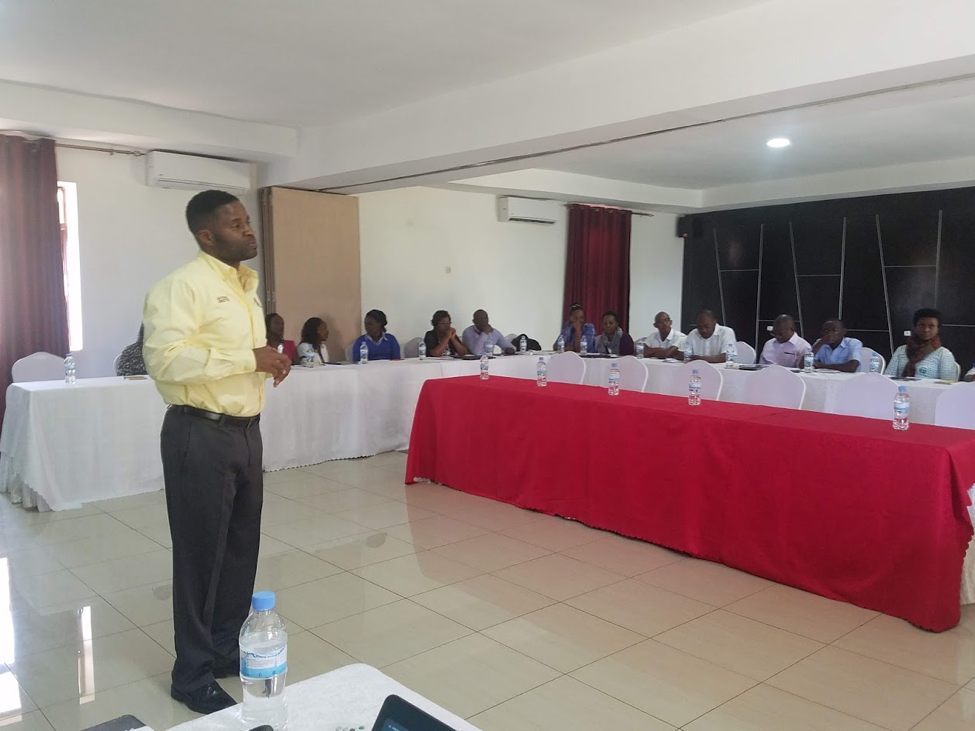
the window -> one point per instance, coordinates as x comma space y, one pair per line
68, 214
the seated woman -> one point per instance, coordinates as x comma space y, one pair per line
923, 355
381, 344
129, 362
314, 333
443, 340
274, 324
613, 341
577, 329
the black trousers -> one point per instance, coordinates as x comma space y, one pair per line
214, 493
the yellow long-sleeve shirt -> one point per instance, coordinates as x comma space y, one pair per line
202, 324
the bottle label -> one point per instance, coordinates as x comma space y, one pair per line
261, 665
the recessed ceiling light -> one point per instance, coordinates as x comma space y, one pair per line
779, 142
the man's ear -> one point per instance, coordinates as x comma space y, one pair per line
204, 238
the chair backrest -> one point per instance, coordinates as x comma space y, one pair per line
865, 355
711, 380
775, 386
745, 353
38, 367
115, 363
866, 394
956, 406
511, 339
411, 348
566, 368
633, 373
957, 371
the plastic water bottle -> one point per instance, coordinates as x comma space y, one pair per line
423, 350
614, 379
729, 356
639, 348
875, 363
484, 367
264, 664
583, 346
542, 371
308, 360
902, 409
363, 353
807, 361
523, 345
688, 352
694, 389
70, 374
560, 345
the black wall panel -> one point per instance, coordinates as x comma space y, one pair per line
873, 261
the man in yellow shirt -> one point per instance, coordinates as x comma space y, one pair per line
205, 346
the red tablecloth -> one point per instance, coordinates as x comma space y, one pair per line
841, 506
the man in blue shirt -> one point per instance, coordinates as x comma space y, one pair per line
835, 351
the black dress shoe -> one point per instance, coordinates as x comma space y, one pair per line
209, 698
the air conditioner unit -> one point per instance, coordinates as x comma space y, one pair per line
527, 209
188, 172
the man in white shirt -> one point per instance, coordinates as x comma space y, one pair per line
785, 348
480, 338
666, 342
710, 341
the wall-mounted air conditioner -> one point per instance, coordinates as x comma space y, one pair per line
188, 172
528, 209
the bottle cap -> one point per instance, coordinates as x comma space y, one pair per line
262, 601
695, 372
902, 389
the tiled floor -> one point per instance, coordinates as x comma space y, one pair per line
509, 618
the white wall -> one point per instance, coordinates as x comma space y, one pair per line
130, 236
410, 237
516, 271
656, 269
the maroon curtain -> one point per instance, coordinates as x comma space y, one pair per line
597, 266
33, 307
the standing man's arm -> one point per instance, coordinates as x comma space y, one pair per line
171, 355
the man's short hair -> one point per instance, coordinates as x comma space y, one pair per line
202, 206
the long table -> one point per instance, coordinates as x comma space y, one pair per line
349, 697
62, 446
841, 506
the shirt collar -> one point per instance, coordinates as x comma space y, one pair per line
246, 276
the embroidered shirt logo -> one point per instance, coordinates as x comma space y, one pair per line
221, 299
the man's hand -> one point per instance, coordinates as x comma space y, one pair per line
270, 361
509, 351
487, 330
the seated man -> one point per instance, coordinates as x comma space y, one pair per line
710, 341
130, 362
785, 348
480, 338
666, 342
836, 351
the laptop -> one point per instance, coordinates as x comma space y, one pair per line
400, 715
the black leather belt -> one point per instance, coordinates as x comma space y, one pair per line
222, 419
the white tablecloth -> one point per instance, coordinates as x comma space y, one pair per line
347, 697
63, 446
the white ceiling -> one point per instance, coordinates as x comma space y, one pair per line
931, 123
311, 62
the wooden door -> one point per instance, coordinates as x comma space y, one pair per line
311, 262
